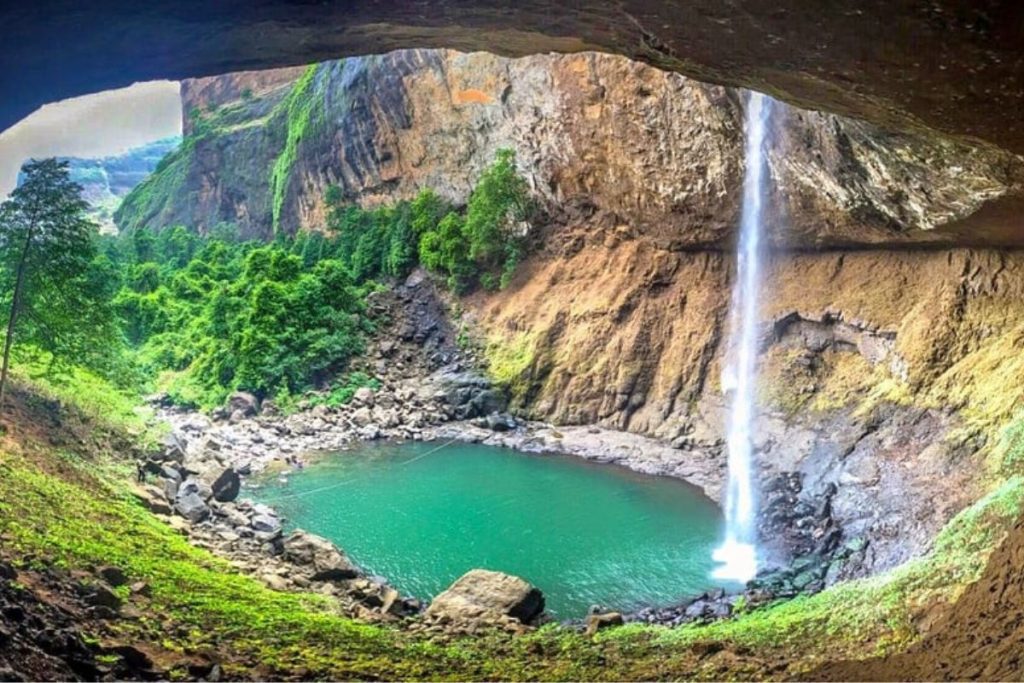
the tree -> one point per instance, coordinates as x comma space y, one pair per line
54, 286
497, 208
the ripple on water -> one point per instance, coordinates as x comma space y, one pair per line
583, 533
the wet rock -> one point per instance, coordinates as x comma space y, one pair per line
227, 486
479, 594
327, 562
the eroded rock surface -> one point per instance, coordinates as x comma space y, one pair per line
951, 64
603, 141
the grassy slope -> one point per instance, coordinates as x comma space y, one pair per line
69, 506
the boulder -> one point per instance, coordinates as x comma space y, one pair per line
226, 486
243, 401
175, 446
362, 417
267, 524
327, 562
500, 422
364, 396
190, 504
198, 486
596, 622
480, 594
98, 595
170, 487
114, 576
153, 499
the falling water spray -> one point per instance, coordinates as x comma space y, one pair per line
738, 553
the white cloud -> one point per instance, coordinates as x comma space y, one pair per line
97, 125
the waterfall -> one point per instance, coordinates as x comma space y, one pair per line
738, 552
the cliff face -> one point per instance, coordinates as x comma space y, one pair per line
891, 318
593, 133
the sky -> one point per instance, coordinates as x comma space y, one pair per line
99, 125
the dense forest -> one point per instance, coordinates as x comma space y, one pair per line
201, 316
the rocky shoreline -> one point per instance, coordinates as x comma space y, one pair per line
211, 456
197, 477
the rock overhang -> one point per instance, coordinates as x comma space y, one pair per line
952, 65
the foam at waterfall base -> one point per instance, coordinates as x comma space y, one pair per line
738, 562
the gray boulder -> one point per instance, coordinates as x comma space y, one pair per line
364, 396
362, 417
226, 486
153, 500
190, 503
266, 524
170, 487
175, 446
243, 401
327, 562
481, 595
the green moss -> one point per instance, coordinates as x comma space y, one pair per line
508, 359
298, 109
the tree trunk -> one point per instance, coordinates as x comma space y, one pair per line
12, 319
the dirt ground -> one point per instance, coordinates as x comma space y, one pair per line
980, 638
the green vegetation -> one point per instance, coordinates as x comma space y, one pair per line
212, 315
215, 315
486, 244
298, 108
343, 389
481, 245
56, 290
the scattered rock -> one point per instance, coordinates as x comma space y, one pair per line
98, 595
266, 523
190, 504
364, 396
175, 446
141, 588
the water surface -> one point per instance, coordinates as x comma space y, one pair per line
583, 533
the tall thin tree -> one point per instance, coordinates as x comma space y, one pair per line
46, 249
